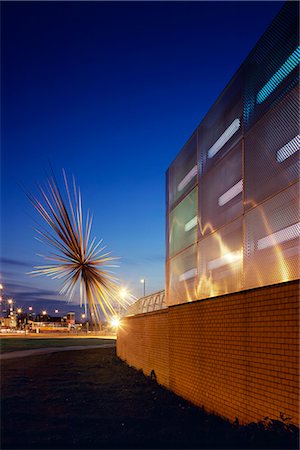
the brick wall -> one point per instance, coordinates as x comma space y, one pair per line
143, 342
236, 355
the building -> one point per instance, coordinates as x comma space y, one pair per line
47, 324
232, 192
228, 339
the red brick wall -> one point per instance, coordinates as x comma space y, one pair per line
236, 355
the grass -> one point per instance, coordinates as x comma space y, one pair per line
16, 344
92, 400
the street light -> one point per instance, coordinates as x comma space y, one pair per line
56, 311
44, 312
30, 308
19, 310
115, 322
123, 293
10, 302
144, 283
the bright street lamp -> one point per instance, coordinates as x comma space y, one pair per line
19, 310
115, 322
144, 283
123, 293
44, 312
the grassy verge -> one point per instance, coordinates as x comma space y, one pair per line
92, 400
16, 344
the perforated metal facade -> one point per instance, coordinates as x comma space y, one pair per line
232, 192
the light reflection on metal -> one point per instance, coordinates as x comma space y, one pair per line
231, 193
248, 235
288, 149
191, 224
228, 258
283, 235
188, 274
280, 261
286, 68
228, 133
186, 180
78, 260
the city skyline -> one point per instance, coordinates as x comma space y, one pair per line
112, 104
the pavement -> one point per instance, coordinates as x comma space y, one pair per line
44, 351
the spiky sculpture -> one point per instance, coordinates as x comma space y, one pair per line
77, 260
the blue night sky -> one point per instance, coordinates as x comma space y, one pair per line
110, 92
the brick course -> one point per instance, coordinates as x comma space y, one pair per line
236, 355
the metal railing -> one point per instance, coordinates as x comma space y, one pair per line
150, 303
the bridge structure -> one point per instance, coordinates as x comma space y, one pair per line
149, 303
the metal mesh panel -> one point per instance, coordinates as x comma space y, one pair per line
271, 69
220, 199
182, 277
255, 243
183, 224
183, 171
272, 234
221, 128
221, 261
271, 151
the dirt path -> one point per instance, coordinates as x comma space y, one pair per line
43, 351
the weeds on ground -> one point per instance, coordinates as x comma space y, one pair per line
278, 433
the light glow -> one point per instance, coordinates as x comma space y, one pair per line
30, 308
191, 224
115, 322
10, 301
228, 258
188, 274
183, 183
288, 149
231, 193
279, 76
228, 133
44, 313
286, 234
123, 293
19, 310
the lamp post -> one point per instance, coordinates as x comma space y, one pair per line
143, 281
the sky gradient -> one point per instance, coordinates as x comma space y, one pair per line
110, 92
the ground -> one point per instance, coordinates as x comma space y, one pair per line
11, 344
89, 399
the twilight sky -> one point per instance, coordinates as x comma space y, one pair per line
109, 91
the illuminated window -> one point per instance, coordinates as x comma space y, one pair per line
228, 133
286, 68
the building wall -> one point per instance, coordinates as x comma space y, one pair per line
236, 355
232, 219
143, 342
